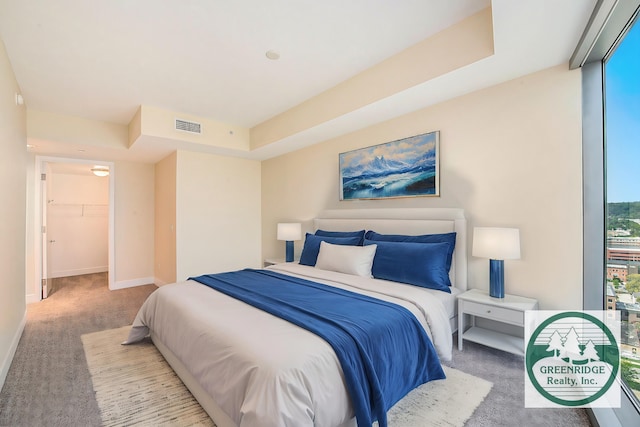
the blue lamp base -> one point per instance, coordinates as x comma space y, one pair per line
496, 278
289, 251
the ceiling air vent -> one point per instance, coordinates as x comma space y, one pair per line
186, 126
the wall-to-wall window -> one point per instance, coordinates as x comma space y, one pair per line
611, 189
622, 177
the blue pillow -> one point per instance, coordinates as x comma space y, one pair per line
419, 264
311, 246
449, 238
359, 234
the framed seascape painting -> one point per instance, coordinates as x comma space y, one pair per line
407, 167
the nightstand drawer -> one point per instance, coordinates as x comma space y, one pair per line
496, 313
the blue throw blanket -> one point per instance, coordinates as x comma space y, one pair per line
382, 348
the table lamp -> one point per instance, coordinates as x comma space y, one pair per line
289, 231
497, 244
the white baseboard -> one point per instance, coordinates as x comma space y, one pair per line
122, 284
78, 271
8, 358
31, 298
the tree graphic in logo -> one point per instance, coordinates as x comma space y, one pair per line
569, 347
556, 344
572, 346
590, 352
572, 358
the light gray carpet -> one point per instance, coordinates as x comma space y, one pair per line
504, 406
49, 383
135, 386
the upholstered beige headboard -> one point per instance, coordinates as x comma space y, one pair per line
406, 221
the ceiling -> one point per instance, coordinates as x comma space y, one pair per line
102, 59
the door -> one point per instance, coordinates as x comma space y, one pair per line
46, 280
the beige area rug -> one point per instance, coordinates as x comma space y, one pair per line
134, 385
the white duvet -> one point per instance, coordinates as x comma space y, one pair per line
260, 369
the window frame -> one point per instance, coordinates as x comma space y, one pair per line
607, 26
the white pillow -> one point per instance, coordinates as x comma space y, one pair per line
355, 260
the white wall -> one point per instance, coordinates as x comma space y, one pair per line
13, 164
217, 214
78, 224
510, 155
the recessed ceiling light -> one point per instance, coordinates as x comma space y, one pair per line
273, 55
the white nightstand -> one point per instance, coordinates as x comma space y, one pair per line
510, 310
271, 261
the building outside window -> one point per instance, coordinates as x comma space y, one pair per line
622, 200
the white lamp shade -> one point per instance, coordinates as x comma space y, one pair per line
496, 243
289, 231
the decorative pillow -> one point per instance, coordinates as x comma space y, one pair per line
449, 238
359, 234
356, 260
419, 264
311, 246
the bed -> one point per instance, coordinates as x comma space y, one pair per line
262, 370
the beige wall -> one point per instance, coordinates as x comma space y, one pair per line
32, 218
76, 189
76, 131
133, 197
134, 223
461, 44
165, 220
155, 122
13, 164
78, 223
133, 205
510, 155
217, 214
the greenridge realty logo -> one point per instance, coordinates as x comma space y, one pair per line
572, 359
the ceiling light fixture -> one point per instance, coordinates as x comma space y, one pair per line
100, 171
273, 55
